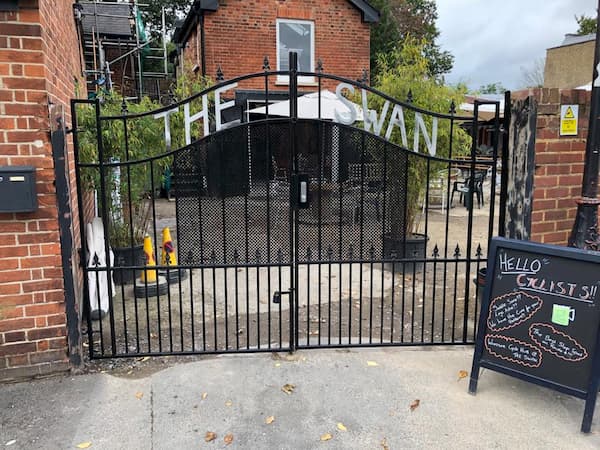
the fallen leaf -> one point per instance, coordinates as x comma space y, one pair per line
462, 374
228, 403
269, 420
384, 444
139, 395
210, 436
372, 363
84, 445
14, 441
415, 404
326, 437
288, 388
341, 427
144, 359
130, 372
228, 439
204, 395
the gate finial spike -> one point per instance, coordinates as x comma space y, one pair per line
457, 251
479, 251
266, 65
452, 108
364, 77
123, 107
319, 65
220, 76
436, 251
409, 96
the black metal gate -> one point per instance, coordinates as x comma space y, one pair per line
291, 230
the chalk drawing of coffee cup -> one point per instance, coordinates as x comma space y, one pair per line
562, 314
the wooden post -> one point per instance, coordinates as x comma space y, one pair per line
521, 155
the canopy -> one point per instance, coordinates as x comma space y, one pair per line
308, 107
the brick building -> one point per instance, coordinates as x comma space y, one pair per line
569, 65
40, 71
237, 35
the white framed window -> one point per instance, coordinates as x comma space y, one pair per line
297, 36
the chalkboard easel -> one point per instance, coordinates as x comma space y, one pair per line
540, 319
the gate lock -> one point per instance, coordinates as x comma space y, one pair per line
277, 296
300, 193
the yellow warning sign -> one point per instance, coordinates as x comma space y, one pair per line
568, 120
569, 114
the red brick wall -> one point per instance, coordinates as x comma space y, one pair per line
38, 62
559, 164
240, 33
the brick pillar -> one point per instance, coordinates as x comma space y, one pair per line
32, 293
559, 164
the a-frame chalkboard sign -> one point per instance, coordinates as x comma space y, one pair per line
540, 319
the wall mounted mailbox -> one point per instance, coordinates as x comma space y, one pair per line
17, 189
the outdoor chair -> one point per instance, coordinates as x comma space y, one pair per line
463, 188
438, 189
368, 185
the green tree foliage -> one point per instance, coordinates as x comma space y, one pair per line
406, 69
401, 19
587, 25
142, 136
152, 13
492, 88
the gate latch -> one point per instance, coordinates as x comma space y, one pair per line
277, 296
300, 191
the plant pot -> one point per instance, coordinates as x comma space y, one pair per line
125, 257
413, 247
480, 283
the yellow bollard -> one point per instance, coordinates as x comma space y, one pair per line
148, 275
167, 257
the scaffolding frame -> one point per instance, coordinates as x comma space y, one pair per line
99, 72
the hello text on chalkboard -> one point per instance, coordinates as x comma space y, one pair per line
540, 319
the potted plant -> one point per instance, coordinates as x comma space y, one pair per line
404, 73
125, 197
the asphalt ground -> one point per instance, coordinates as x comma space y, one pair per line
393, 398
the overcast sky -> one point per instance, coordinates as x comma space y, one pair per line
491, 40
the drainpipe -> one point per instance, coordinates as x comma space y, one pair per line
585, 233
202, 46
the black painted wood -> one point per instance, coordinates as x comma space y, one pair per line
520, 169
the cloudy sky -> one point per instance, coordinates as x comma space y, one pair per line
491, 40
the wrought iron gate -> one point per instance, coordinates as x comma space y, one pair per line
291, 231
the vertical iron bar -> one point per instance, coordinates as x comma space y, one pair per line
493, 180
393, 300
86, 291
504, 164
293, 77
153, 203
113, 342
191, 308
214, 294
224, 222
257, 299
474, 137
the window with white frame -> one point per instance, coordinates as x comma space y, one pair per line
296, 36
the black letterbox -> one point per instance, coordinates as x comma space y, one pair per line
17, 189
